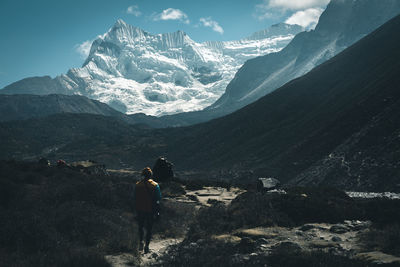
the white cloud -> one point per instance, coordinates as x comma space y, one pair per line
84, 48
295, 4
208, 22
172, 14
134, 10
274, 9
307, 18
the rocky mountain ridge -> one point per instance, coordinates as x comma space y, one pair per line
342, 24
137, 72
338, 123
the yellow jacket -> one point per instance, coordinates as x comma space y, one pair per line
146, 193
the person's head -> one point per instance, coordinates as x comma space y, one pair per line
147, 173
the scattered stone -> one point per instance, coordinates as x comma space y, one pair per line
307, 227
336, 239
193, 198
262, 242
213, 201
224, 238
256, 233
299, 233
287, 247
323, 244
357, 225
339, 229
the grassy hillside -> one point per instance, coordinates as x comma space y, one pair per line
285, 132
61, 217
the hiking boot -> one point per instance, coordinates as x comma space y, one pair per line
141, 246
146, 249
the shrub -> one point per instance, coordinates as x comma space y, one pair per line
172, 189
383, 238
60, 217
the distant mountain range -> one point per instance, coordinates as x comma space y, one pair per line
134, 71
20, 107
112, 72
339, 124
342, 23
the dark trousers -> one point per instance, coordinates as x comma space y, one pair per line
145, 220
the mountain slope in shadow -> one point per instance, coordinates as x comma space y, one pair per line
304, 121
340, 25
21, 107
16, 107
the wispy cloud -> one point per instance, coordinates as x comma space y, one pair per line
307, 18
295, 4
134, 10
172, 14
268, 9
208, 22
83, 49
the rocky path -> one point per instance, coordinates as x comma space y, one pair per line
205, 196
159, 245
157, 248
338, 239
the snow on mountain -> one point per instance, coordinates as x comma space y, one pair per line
343, 23
135, 71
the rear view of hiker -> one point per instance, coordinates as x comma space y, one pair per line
147, 199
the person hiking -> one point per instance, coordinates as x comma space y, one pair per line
147, 200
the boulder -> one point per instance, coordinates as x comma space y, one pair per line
266, 184
162, 170
339, 229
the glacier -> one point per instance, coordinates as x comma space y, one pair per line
160, 74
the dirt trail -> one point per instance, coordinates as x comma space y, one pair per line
158, 245
157, 248
203, 196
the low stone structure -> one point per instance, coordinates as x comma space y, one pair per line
266, 184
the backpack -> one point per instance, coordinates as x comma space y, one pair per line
155, 204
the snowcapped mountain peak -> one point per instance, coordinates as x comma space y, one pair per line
280, 29
175, 39
123, 34
120, 23
157, 74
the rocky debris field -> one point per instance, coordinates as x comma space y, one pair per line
179, 208
255, 246
299, 227
59, 216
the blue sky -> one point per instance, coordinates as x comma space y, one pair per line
47, 37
